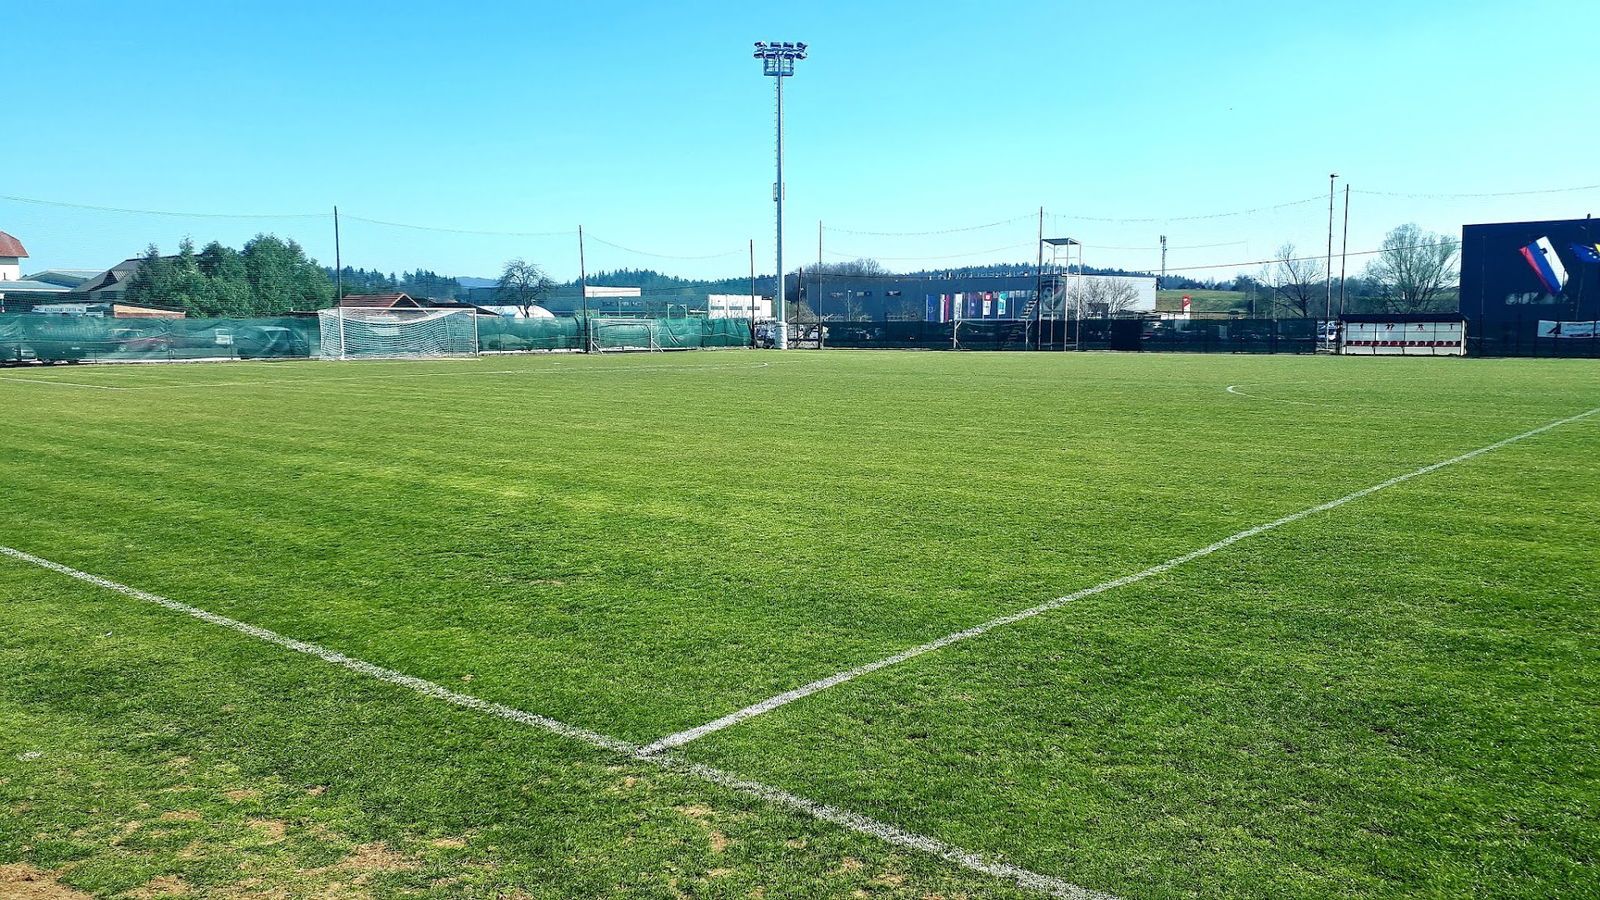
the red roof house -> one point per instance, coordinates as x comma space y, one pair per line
10, 246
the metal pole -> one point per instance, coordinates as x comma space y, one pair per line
1038, 290
338, 260
777, 196
818, 308
957, 301
1344, 246
1328, 272
752, 293
341, 331
583, 291
1163, 279
799, 285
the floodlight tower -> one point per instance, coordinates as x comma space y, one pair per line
777, 61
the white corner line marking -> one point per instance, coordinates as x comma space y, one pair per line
771, 703
776, 796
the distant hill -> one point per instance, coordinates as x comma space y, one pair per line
468, 281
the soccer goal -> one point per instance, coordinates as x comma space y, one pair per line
349, 333
622, 334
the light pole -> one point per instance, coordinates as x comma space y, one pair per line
777, 61
1328, 272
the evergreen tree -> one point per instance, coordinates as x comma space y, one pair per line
153, 282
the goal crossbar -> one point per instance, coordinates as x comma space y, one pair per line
365, 333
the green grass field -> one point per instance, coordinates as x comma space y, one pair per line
1212, 301
1395, 697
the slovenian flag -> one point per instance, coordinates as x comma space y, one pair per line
1587, 253
1542, 257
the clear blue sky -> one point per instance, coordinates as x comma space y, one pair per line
651, 125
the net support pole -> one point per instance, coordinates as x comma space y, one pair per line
583, 292
341, 331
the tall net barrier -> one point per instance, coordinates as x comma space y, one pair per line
71, 339
397, 333
29, 338
667, 334
504, 335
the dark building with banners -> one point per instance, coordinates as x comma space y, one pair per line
909, 298
1532, 288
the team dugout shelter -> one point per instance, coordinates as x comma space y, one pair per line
1403, 334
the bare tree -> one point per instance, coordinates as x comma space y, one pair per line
1414, 269
865, 268
1105, 295
907, 310
523, 284
1296, 282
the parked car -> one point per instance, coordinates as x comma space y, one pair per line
50, 352
269, 342
54, 351
15, 353
130, 341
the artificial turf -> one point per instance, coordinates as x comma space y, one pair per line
1397, 697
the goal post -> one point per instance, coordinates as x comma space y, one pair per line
622, 334
361, 333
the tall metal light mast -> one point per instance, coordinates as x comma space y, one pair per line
777, 61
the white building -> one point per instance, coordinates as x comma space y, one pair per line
12, 254
738, 306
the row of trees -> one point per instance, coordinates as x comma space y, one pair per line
269, 276
1415, 271
421, 283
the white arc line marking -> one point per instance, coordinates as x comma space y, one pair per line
771, 703
1234, 390
774, 795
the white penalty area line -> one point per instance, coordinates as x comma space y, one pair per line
806, 690
776, 796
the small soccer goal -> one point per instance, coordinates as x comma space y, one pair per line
397, 333
623, 334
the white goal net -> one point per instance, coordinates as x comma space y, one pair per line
390, 333
623, 334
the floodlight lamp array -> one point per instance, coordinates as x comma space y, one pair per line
777, 57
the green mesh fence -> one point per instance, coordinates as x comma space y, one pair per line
567, 333
74, 338
503, 335
69, 339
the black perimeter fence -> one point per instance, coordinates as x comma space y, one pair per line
1149, 336
1165, 335
36, 338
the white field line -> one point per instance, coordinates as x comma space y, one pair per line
103, 387
576, 370
1234, 389
771, 703
774, 795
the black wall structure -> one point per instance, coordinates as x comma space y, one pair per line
1509, 285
